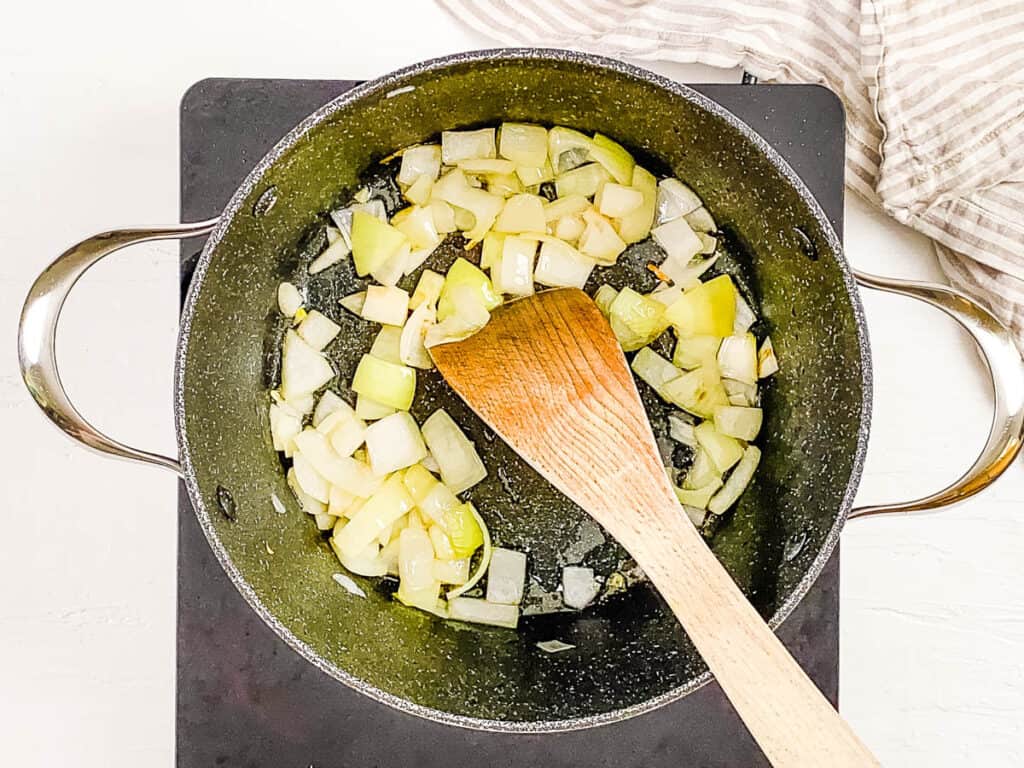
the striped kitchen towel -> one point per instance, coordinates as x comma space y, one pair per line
934, 94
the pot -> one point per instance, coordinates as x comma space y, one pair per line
631, 654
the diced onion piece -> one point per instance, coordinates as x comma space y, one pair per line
698, 391
464, 220
687, 275
420, 161
454, 189
701, 220
387, 383
463, 273
523, 143
333, 235
583, 181
745, 316
614, 157
737, 358
444, 215
301, 404
636, 320
346, 433
708, 309
603, 297
678, 240
559, 265
736, 421
723, 450
386, 345
428, 289
710, 242
666, 294
522, 213
443, 548
418, 193
346, 583
417, 224
318, 330
615, 200
653, 369
680, 429
284, 426
303, 368
383, 508
675, 200
391, 271
416, 258
478, 611
532, 176
740, 392
325, 522
277, 504
374, 242
329, 403
554, 646
487, 166
289, 300
415, 559
562, 140
386, 304
506, 577
636, 225
430, 463
569, 228
470, 318
579, 587
490, 251
702, 472
309, 505
737, 481
696, 351
411, 348
354, 302
454, 572
461, 467
394, 443
504, 184
697, 516
571, 205
437, 502
419, 482
309, 479
599, 240
341, 502
369, 409
334, 253
466, 145
485, 557
698, 498
513, 273
767, 363
314, 447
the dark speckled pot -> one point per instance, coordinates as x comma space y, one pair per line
631, 655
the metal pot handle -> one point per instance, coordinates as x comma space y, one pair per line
1004, 365
38, 329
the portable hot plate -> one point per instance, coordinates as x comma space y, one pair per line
245, 699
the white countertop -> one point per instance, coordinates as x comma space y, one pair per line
932, 667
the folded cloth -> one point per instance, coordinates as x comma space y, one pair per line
934, 96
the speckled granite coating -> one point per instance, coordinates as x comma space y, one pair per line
815, 433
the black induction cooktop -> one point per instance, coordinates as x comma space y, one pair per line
244, 698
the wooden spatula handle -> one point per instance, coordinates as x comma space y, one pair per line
786, 714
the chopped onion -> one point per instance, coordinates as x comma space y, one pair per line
554, 646
654, 369
745, 316
329, 403
636, 320
701, 220
460, 464
419, 162
430, 463
504, 184
348, 584
277, 504
318, 330
699, 498
394, 443
522, 213
513, 273
562, 140
444, 215
391, 271
698, 391
479, 611
411, 349
443, 549
523, 143
666, 294
615, 159
616, 200
569, 228
325, 522
710, 242
740, 392
334, 253
636, 225
709, 309
387, 344
724, 451
696, 515
333, 234
737, 481
559, 265
736, 421
386, 304
284, 426
300, 404
454, 572
303, 368
599, 240
506, 577
466, 145
565, 206
696, 351
418, 193
369, 409
341, 502
737, 358
417, 224
767, 363
383, 508
374, 242
387, 383
485, 557
428, 289
583, 181
354, 302
603, 298
678, 241
680, 429
309, 505
687, 275
289, 300
702, 472
533, 176
476, 285
488, 166
415, 559
579, 587
309, 479
675, 200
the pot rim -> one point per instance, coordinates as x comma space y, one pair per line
384, 85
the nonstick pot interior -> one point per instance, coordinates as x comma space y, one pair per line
630, 654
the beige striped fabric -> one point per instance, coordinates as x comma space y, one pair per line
934, 94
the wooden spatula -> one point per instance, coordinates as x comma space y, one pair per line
547, 374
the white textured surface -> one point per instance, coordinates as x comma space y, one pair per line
933, 607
